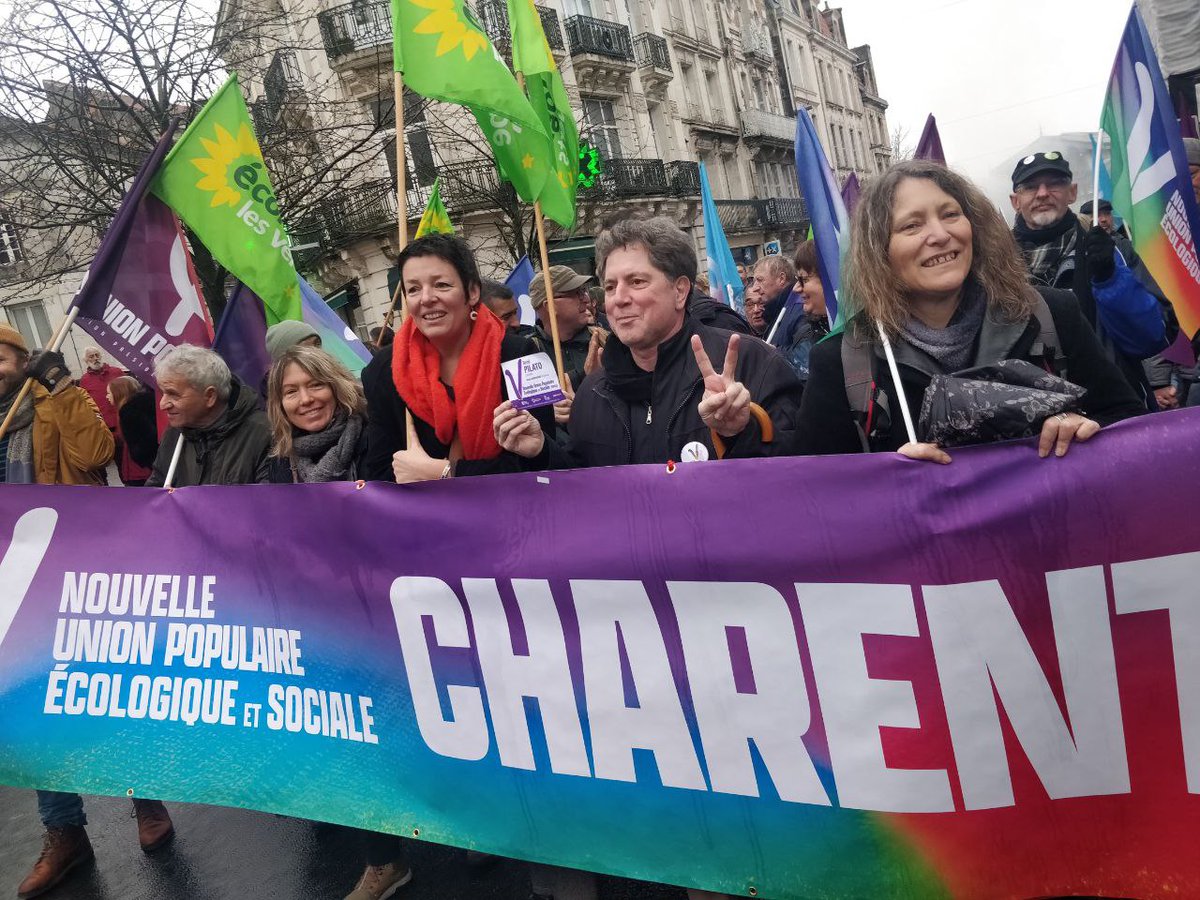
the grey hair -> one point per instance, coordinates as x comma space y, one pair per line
670, 250
200, 368
777, 266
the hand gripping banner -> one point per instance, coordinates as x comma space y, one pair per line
828, 677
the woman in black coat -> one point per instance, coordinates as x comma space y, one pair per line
441, 373
318, 419
935, 267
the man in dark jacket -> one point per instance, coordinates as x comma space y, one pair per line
1115, 292
670, 387
225, 435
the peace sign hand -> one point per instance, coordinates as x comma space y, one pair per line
725, 406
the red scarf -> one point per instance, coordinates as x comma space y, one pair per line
416, 368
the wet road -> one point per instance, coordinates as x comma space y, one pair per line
222, 854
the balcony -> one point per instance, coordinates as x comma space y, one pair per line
354, 27
493, 15
756, 46
653, 62
602, 53
774, 213
473, 185
283, 82
633, 178
359, 212
684, 177
759, 125
785, 212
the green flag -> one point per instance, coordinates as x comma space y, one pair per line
435, 219
548, 97
215, 179
444, 54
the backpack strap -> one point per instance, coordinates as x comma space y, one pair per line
1047, 346
858, 371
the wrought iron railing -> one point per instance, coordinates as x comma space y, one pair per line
651, 50
634, 178
554, 36
359, 25
493, 15
740, 215
684, 177
283, 77
785, 212
589, 35
756, 44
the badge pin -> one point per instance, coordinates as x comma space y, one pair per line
694, 451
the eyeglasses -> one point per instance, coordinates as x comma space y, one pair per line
1054, 185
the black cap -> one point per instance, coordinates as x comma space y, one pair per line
1040, 162
1086, 209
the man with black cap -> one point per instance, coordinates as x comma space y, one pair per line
1104, 217
1115, 293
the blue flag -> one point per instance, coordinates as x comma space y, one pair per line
826, 211
518, 281
723, 279
337, 338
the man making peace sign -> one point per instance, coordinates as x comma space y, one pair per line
658, 397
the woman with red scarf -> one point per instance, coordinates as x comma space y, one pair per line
444, 368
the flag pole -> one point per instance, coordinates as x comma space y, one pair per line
169, 482
1096, 178
401, 203
895, 370
55, 343
547, 280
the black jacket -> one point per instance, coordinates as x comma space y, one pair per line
827, 423
139, 427
386, 432
602, 424
232, 450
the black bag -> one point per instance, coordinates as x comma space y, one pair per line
1006, 400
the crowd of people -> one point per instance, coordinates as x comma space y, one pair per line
1050, 329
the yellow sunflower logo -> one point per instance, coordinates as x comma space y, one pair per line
444, 20
222, 153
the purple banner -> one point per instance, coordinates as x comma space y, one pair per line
857, 676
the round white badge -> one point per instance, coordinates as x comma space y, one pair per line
694, 452
1027, 160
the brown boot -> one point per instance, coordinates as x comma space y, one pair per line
154, 825
63, 849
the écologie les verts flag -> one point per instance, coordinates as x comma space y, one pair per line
216, 180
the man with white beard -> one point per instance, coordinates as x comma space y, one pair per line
1115, 292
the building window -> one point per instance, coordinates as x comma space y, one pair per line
10, 247
30, 319
602, 122
422, 170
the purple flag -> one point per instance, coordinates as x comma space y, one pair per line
930, 145
242, 337
141, 295
851, 192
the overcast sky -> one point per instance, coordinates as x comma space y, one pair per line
995, 73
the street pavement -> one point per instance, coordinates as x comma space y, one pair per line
234, 854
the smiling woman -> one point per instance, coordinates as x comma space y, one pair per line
434, 391
937, 270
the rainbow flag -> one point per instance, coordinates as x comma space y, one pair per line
827, 213
1151, 187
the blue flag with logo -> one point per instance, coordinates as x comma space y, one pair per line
724, 282
826, 212
518, 281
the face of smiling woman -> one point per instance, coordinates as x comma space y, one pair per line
437, 301
930, 247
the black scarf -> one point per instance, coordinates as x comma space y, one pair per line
1046, 248
328, 455
631, 382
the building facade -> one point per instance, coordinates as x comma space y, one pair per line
656, 88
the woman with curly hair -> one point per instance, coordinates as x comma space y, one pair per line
943, 292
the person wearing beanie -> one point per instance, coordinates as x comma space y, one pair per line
1115, 291
284, 335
